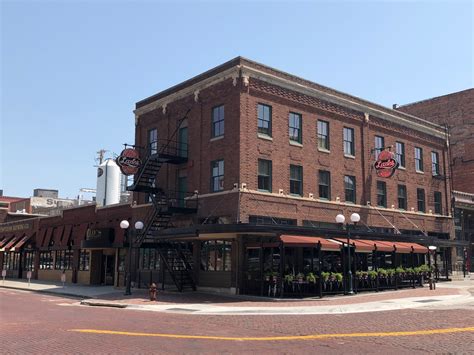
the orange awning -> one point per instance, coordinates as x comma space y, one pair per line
409, 247
361, 245
303, 241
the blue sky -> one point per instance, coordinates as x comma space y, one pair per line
71, 71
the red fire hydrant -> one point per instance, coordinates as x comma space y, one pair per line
153, 292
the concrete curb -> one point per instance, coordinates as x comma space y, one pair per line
104, 304
50, 292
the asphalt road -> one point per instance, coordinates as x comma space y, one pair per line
44, 324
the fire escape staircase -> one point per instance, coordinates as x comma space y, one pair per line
165, 205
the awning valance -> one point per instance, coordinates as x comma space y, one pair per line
22, 242
302, 241
361, 245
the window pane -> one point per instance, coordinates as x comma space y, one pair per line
264, 175
349, 185
218, 121
324, 185
296, 180
264, 119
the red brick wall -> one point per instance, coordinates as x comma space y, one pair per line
241, 148
282, 154
457, 111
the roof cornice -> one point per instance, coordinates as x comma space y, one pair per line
246, 71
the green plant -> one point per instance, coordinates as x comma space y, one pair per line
423, 268
361, 274
311, 277
390, 272
409, 270
382, 272
372, 275
325, 276
289, 278
338, 276
399, 270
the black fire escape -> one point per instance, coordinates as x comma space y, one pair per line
176, 259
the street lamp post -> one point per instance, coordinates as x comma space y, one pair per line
432, 249
124, 225
355, 217
128, 276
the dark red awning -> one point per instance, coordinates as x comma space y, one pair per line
57, 235
361, 245
303, 241
47, 237
66, 236
409, 247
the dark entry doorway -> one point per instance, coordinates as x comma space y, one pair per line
108, 263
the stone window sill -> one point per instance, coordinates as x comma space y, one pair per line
264, 136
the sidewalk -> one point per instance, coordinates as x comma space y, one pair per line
447, 293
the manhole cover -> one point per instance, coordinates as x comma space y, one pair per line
426, 301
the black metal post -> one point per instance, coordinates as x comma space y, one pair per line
128, 281
349, 271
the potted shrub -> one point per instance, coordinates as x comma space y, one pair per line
372, 275
311, 278
289, 278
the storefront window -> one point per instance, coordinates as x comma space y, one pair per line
63, 260
216, 255
11, 261
29, 261
46, 260
84, 260
149, 259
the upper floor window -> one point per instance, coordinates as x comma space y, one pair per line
217, 175
218, 121
265, 119
418, 159
435, 163
379, 145
420, 195
294, 124
381, 194
324, 185
183, 142
153, 141
400, 153
437, 202
402, 197
323, 135
350, 188
296, 180
349, 141
265, 175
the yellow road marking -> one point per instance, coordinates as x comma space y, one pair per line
289, 337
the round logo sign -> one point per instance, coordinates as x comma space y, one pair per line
129, 161
385, 165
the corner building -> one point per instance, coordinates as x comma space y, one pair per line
269, 155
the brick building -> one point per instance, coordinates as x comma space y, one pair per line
456, 113
243, 170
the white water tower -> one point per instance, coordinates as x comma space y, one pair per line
108, 183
